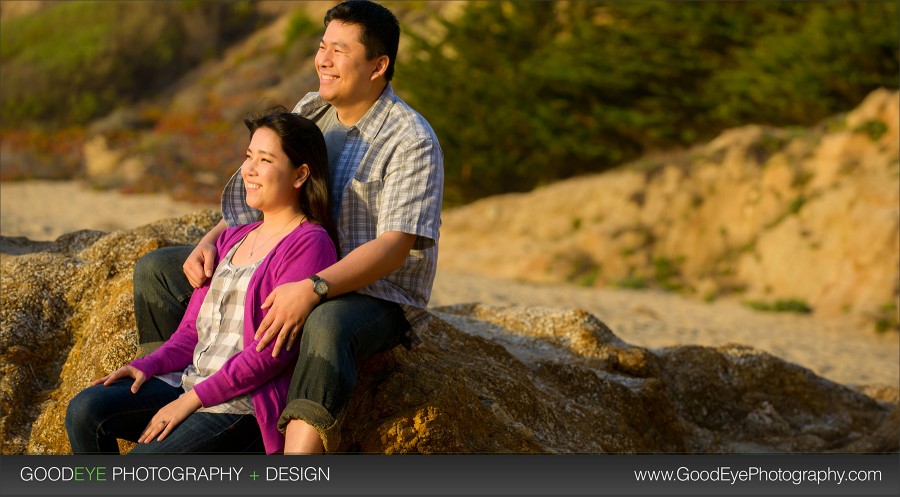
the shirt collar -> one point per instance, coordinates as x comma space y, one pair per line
374, 118
370, 123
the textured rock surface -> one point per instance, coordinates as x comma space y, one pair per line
489, 379
66, 316
767, 214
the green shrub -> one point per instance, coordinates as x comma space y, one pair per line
874, 128
300, 26
796, 204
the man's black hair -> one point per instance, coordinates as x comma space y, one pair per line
380, 30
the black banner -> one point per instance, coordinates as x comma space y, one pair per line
449, 475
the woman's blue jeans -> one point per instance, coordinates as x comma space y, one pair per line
98, 415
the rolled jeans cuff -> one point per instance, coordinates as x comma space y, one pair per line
316, 416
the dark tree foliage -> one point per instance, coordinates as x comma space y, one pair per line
839, 53
525, 93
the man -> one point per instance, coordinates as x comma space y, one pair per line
386, 168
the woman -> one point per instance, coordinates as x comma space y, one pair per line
220, 394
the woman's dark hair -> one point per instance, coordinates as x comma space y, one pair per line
303, 143
379, 28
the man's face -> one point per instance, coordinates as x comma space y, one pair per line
345, 76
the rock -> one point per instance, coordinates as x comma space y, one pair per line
67, 316
488, 379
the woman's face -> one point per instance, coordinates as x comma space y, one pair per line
272, 182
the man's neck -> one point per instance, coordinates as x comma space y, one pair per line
351, 113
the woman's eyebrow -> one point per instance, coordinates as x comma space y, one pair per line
263, 151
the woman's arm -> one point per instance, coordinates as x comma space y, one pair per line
178, 351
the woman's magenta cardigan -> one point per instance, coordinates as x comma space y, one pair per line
300, 254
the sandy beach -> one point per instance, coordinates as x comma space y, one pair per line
838, 349
44, 210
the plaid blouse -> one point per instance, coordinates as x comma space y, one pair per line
220, 330
391, 179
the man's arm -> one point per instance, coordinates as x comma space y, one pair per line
290, 304
200, 264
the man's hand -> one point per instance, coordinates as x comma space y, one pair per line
200, 264
289, 305
127, 371
166, 419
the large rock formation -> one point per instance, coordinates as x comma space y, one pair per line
66, 316
810, 215
489, 379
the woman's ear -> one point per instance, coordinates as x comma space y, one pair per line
302, 173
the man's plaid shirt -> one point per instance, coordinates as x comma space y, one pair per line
396, 185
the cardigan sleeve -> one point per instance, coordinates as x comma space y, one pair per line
178, 351
298, 258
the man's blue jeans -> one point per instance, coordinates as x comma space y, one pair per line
161, 293
338, 334
98, 415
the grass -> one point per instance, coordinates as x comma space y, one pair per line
667, 273
769, 143
582, 269
632, 283
785, 305
887, 318
72, 62
576, 224
793, 208
65, 42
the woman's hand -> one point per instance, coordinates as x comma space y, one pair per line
126, 371
200, 264
289, 305
166, 419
